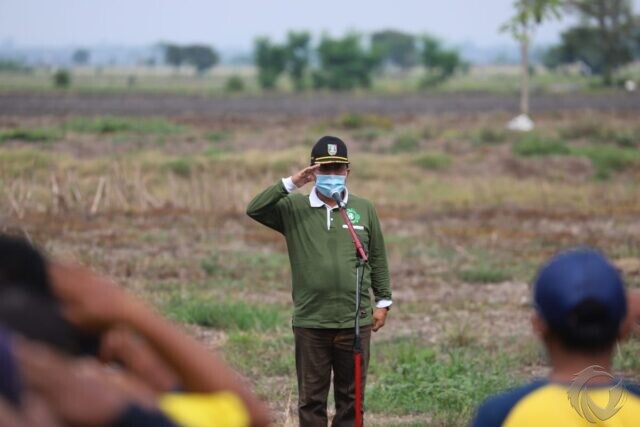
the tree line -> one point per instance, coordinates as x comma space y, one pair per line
338, 63
344, 63
605, 38
200, 56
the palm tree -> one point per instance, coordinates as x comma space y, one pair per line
528, 15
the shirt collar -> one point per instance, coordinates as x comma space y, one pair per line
315, 201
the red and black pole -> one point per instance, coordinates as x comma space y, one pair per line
361, 260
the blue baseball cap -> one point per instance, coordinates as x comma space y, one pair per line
573, 277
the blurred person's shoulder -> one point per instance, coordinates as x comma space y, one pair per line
545, 403
633, 388
494, 410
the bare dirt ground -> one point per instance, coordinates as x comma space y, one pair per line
311, 105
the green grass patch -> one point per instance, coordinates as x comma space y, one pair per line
460, 334
357, 121
606, 159
535, 145
484, 273
23, 161
403, 244
442, 251
115, 124
181, 167
595, 132
219, 144
430, 132
213, 265
489, 136
367, 134
234, 84
30, 134
397, 423
261, 355
433, 161
260, 267
405, 143
233, 315
218, 136
609, 159
626, 357
582, 129
626, 138
351, 120
214, 152
411, 378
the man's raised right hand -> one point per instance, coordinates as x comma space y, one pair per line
305, 175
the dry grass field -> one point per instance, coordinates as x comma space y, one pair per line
468, 209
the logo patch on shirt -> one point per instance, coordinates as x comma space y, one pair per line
332, 149
353, 215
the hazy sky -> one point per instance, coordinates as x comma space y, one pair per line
236, 23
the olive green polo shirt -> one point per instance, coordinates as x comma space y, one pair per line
323, 256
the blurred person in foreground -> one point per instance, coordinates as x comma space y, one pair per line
40, 386
323, 258
158, 368
581, 310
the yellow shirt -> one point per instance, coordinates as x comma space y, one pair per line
223, 409
545, 404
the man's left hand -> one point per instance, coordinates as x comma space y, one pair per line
379, 317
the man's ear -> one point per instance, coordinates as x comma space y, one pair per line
539, 326
631, 323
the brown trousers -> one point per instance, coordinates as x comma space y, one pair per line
318, 352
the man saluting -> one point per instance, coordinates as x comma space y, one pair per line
323, 259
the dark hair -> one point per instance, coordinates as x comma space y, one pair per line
39, 318
21, 263
589, 327
27, 303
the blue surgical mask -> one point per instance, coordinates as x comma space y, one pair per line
329, 184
